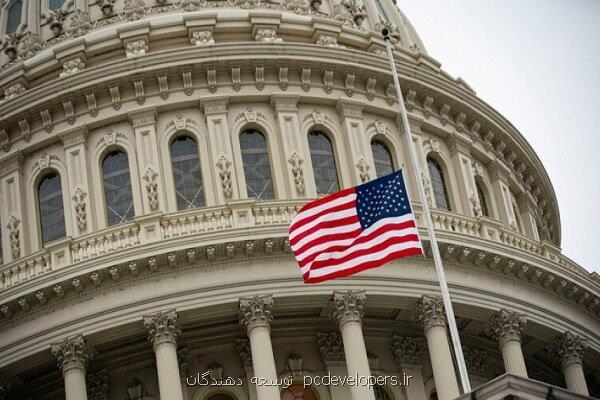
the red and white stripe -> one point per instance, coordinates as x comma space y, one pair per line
329, 242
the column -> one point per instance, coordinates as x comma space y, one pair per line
355, 141
12, 208
221, 152
569, 350
148, 159
163, 331
347, 311
72, 355
286, 112
431, 317
74, 144
407, 356
506, 327
255, 315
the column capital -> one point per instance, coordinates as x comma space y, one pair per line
142, 117
505, 326
256, 311
330, 346
215, 105
569, 348
162, 327
407, 350
284, 102
459, 143
73, 136
347, 306
12, 163
349, 108
430, 312
72, 353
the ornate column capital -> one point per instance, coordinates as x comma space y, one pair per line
73, 136
214, 105
284, 102
430, 312
256, 311
505, 326
349, 108
162, 327
330, 346
568, 348
72, 353
347, 306
142, 117
12, 163
407, 350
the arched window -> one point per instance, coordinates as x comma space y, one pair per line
52, 213
384, 165
381, 393
438, 183
186, 173
257, 165
482, 199
298, 392
54, 5
13, 20
118, 196
323, 161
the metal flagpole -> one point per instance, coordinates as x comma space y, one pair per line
460, 360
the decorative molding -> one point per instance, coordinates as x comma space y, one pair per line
328, 80
349, 82
305, 78
79, 205
347, 306
25, 130
136, 48
328, 41
14, 236
215, 105
363, 170
151, 177
505, 326
283, 77
236, 78
202, 38
162, 327
297, 171
224, 166
430, 312
142, 117
266, 35
349, 108
72, 67
256, 311
71, 353
330, 346
74, 136
259, 77
370, 83
284, 102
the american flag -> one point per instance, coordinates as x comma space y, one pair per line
355, 229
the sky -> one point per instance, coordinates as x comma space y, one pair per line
537, 62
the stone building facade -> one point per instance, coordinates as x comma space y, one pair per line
152, 155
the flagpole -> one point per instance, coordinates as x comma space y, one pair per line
437, 259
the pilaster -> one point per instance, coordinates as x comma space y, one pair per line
352, 118
74, 144
221, 151
13, 210
149, 159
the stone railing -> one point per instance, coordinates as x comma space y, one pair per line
242, 214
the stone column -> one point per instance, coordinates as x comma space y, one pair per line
431, 317
255, 315
163, 331
407, 356
569, 349
506, 327
347, 311
72, 355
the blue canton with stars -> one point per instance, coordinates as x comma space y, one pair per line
382, 198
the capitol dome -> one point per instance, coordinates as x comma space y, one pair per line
152, 155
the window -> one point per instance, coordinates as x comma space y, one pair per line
482, 199
323, 161
54, 5
381, 393
186, 173
384, 165
438, 184
257, 166
13, 20
51, 208
117, 188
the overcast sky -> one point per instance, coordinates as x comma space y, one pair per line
538, 63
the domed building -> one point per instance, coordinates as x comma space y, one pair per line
152, 155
